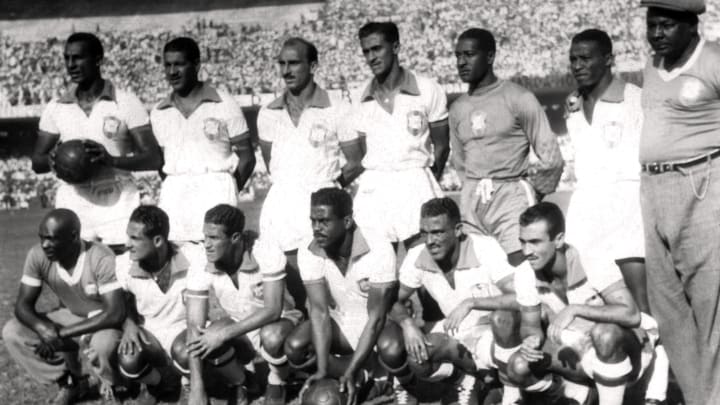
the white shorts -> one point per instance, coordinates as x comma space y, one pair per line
477, 339
166, 334
389, 202
104, 207
186, 199
285, 215
605, 224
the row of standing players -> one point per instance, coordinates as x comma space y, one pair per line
387, 137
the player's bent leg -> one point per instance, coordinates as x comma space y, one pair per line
609, 361
298, 345
104, 351
138, 366
19, 340
272, 338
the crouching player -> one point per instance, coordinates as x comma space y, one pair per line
351, 284
469, 276
82, 274
248, 279
595, 331
154, 273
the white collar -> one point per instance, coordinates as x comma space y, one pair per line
77, 270
673, 74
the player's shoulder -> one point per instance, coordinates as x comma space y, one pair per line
98, 251
711, 49
376, 242
514, 89
426, 85
459, 104
482, 243
413, 253
36, 255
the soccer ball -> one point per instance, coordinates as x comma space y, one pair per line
324, 392
72, 164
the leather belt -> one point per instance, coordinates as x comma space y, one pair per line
658, 167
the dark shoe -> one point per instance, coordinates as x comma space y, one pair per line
72, 389
275, 394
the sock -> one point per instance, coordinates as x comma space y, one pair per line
657, 386
511, 395
611, 379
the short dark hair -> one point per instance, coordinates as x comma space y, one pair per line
155, 221
186, 45
484, 38
548, 212
441, 206
340, 201
600, 37
311, 51
93, 43
388, 29
232, 218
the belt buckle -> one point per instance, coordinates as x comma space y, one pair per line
655, 168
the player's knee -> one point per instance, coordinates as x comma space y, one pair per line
606, 339
105, 342
134, 365
272, 338
505, 324
179, 354
11, 331
391, 348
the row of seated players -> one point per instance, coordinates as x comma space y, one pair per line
545, 326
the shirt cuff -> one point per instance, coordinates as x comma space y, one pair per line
109, 287
31, 281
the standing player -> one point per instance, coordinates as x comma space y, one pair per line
492, 129
596, 332
82, 275
302, 135
247, 277
604, 122
351, 284
468, 276
679, 192
206, 143
94, 109
154, 273
403, 120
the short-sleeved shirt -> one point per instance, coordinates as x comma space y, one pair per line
492, 130
114, 113
372, 261
80, 288
262, 262
199, 143
307, 154
158, 310
681, 107
583, 287
400, 140
482, 263
606, 151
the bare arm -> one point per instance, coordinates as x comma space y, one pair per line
619, 308
197, 313
440, 136
112, 316
246, 159
398, 312
354, 152
320, 321
266, 151
25, 309
147, 154
41, 153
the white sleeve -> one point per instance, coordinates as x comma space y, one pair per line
157, 127
198, 279
383, 263
345, 129
236, 123
493, 254
47, 120
136, 114
409, 274
122, 267
311, 267
265, 127
271, 259
526, 292
437, 109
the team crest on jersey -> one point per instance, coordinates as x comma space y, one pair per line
319, 134
214, 129
417, 122
692, 91
111, 126
478, 122
364, 285
258, 291
612, 133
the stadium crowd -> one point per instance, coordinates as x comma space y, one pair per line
242, 58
